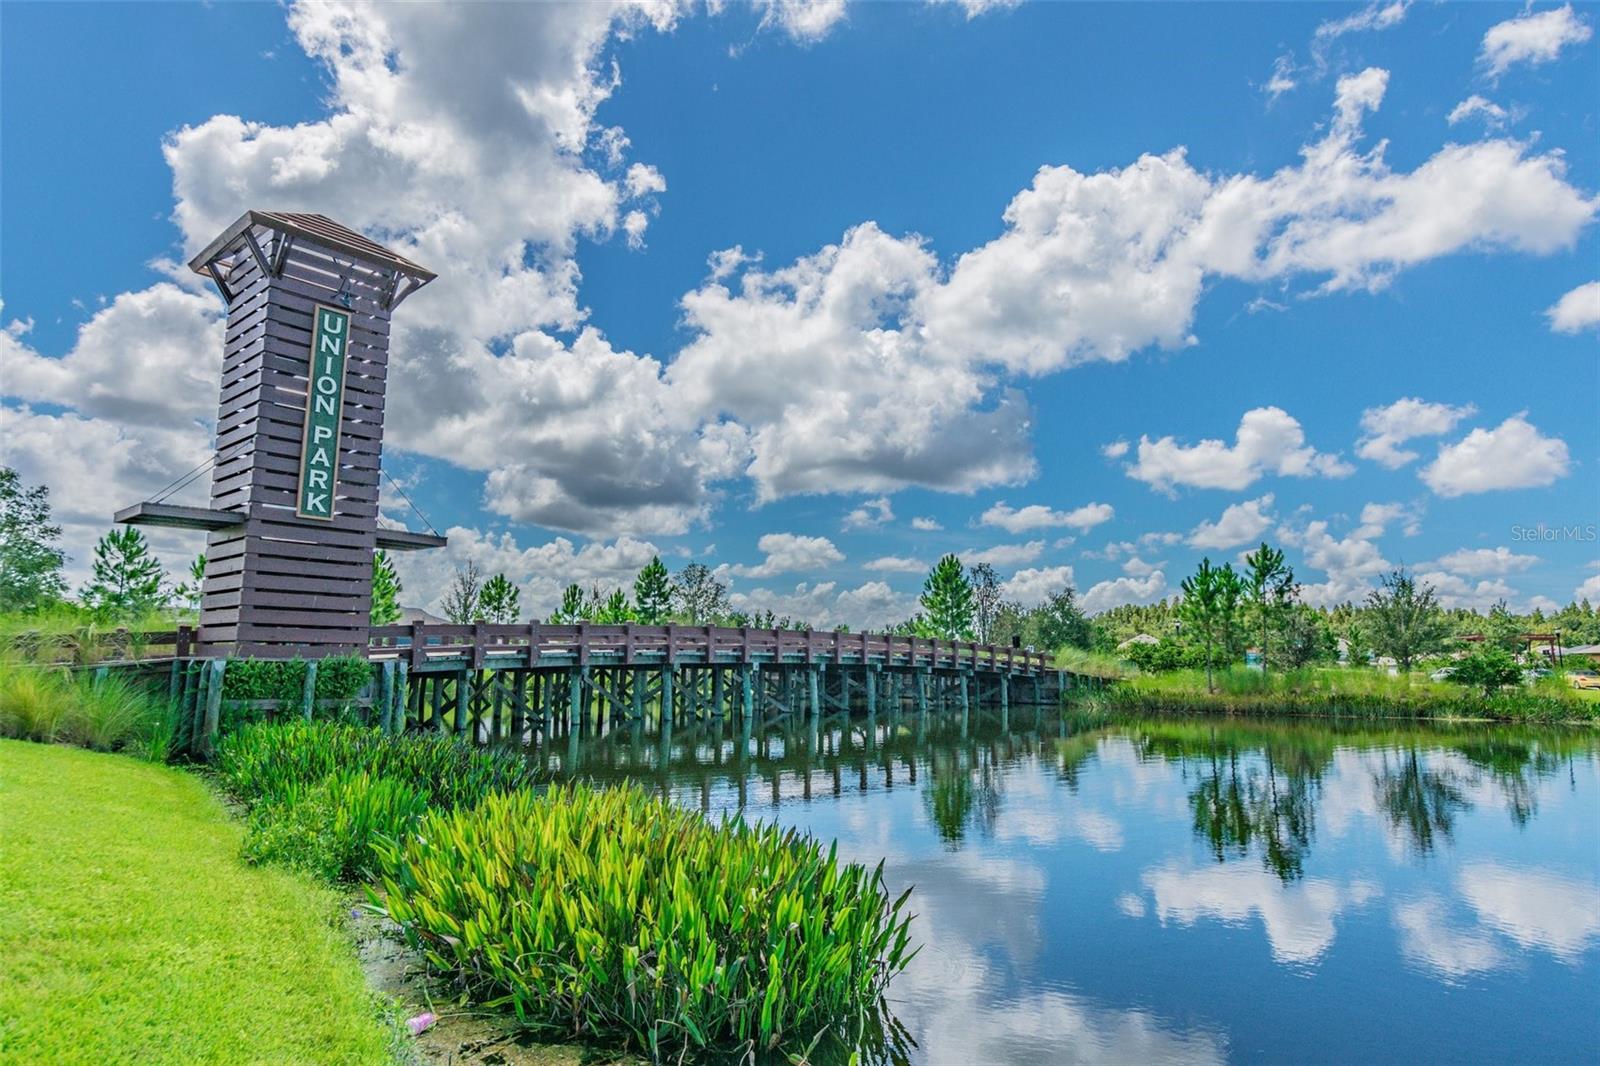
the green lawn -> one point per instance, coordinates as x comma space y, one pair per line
131, 933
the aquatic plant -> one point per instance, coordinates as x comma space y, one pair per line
109, 713
615, 914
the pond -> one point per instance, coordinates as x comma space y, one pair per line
1191, 890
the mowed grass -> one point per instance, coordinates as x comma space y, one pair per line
130, 932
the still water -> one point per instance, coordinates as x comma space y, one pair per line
1192, 890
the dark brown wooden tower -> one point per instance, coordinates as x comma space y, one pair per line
293, 519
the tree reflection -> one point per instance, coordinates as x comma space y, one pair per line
1421, 801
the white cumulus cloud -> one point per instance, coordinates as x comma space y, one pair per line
1240, 523
1033, 586
1513, 455
1532, 38
1268, 441
1577, 310
1386, 428
1039, 516
791, 553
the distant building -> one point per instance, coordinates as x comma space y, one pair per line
418, 614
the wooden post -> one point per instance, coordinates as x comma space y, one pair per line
384, 704
666, 690
920, 679
717, 696
814, 677
872, 689
575, 678
195, 712
746, 695
636, 693
308, 698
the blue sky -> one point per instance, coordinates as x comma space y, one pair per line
1005, 270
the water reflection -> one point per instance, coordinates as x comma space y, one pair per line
1079, 886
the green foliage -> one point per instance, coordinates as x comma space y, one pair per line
618, 914
320, 793
652, 592
1061, 623
1165, 655
339, 678
572, 609
133, 935
272, 763
68, 633
1338, 692
947, 600
1301, 638
615, 609
499, 602
1488, 668
30, 561
697, 596
461, 599
386, 589
1404, 621
127, 578
105, 714
1210, 612
1269, 594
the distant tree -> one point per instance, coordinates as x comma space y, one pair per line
1301, 637
500, 601
615, 609
1487, 668
386, 589
652, 592
571, 609
947, 600
461, 600
698, 596
192, 589
1210, 611
985, 584
127, 578
1061, 623
30, 562
1503, 629
1269, 591
1404, 621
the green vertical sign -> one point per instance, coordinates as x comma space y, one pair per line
319, 451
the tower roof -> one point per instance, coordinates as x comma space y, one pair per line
319, 228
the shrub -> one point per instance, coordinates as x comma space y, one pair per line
1487, 668
284, 680
328, 830
616, 914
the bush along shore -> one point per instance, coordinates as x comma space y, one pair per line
608, 916
1339, 692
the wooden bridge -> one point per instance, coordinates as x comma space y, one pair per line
502, 682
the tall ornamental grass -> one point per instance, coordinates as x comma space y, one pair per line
111, 713
616, 915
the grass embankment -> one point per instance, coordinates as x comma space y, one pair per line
1341, 692
130, 931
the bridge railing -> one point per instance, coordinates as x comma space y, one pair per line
634, 644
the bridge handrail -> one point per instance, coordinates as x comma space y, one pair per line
636, 642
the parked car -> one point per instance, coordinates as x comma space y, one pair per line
1583, 679
1441, 674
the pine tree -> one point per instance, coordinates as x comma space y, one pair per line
1269, 590
616, 609
1210, 610
30, 562
947, 600
499, 602
386, 589
127, 578
571, 609
652, 593
192, 591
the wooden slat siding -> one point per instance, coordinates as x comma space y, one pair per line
280, 580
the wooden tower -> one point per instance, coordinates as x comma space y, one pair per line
293, 519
